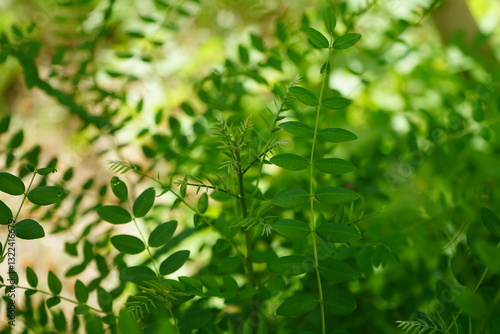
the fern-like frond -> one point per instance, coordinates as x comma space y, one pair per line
121, 167
419, 326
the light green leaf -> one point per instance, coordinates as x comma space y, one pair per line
334, 166
298, 129
298, 304
114, 214
11, 184
45, 195
127, 244
203, 203
336, 271
291, 198
488, 254
174, 262
290, 161
144, 202
81, 292
5, 214
346, 41
291, 228
335, 195
336, 135
54, 283
317, 39
29, 229
119, 188
339, 303
291, 265
336, 103
31, 277
471, 303
304, 96
491, 221
162, 234
329, 19
335, 232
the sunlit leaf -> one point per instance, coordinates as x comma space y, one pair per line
304, 96
317, 39
127, 244
29, 229
119, 188
203, 203
346, 41
45, 195
291, 198
114, 214
335, 232
336, 103
334, 166
11, 184
298, 304
336, 135
298, 129
144, 202
290, 161
329, 19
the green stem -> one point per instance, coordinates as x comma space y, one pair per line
174, 319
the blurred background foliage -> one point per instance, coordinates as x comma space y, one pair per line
143, 81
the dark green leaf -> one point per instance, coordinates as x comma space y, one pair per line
55, 285
53, 301
489, 255
174, 262
335, 232
104, 299
257, 42
195, 319
291, 228
291, 265
162, 234
336, 271
339, 303
137, 274
45, 195
46, 171
290, 161
329, 19
127, 244
144, 202
471, 303
335, 195
334, 166
81, 292
16, 140
29, 229
336, 103
119, 188
317, 39
298, 304
304, 96
77, 269
11, 184
291, 198
4, 124
491, 221
5, 214
346, 41
31, 277
298, 129
114, 214
203, 203
336, 135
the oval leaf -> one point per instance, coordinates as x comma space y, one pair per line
317, 39
45, 195
298, 129
304, 96
291, 198
31, 277
335, 232
291, 265
336, 135
81, 292
137, 274
290, 161
491, 221
203, 203
127, 244
11, 184
336, 103
54, 283
144, 202
5, 214
29, 229
114, 214
174, 262
336, 271
346, 41
335, 195
298, 304
329, 19
162, 234
119, 188
339, 303
291, 228
334, 166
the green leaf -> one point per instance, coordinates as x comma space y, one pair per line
334, 166
488, 254
317, 39
195, 319
203, 203
127, 244
304, 96
329, 19
298, 304
471, 303
5, 214
144, 202
335, 232
119, 188
76, 269
291, 198
336, 135
114, 214
162, 234
55, 285
104, 299
336, 103
81, 292
31, 277
45, 171
346, 41
11, 184
298, 129
174, 262
290, 161
291, 265
336, 271
53, 301
491, 221
137, 274
45, 195
29, 229
335, 195
4, 124
291, 228
339, 303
